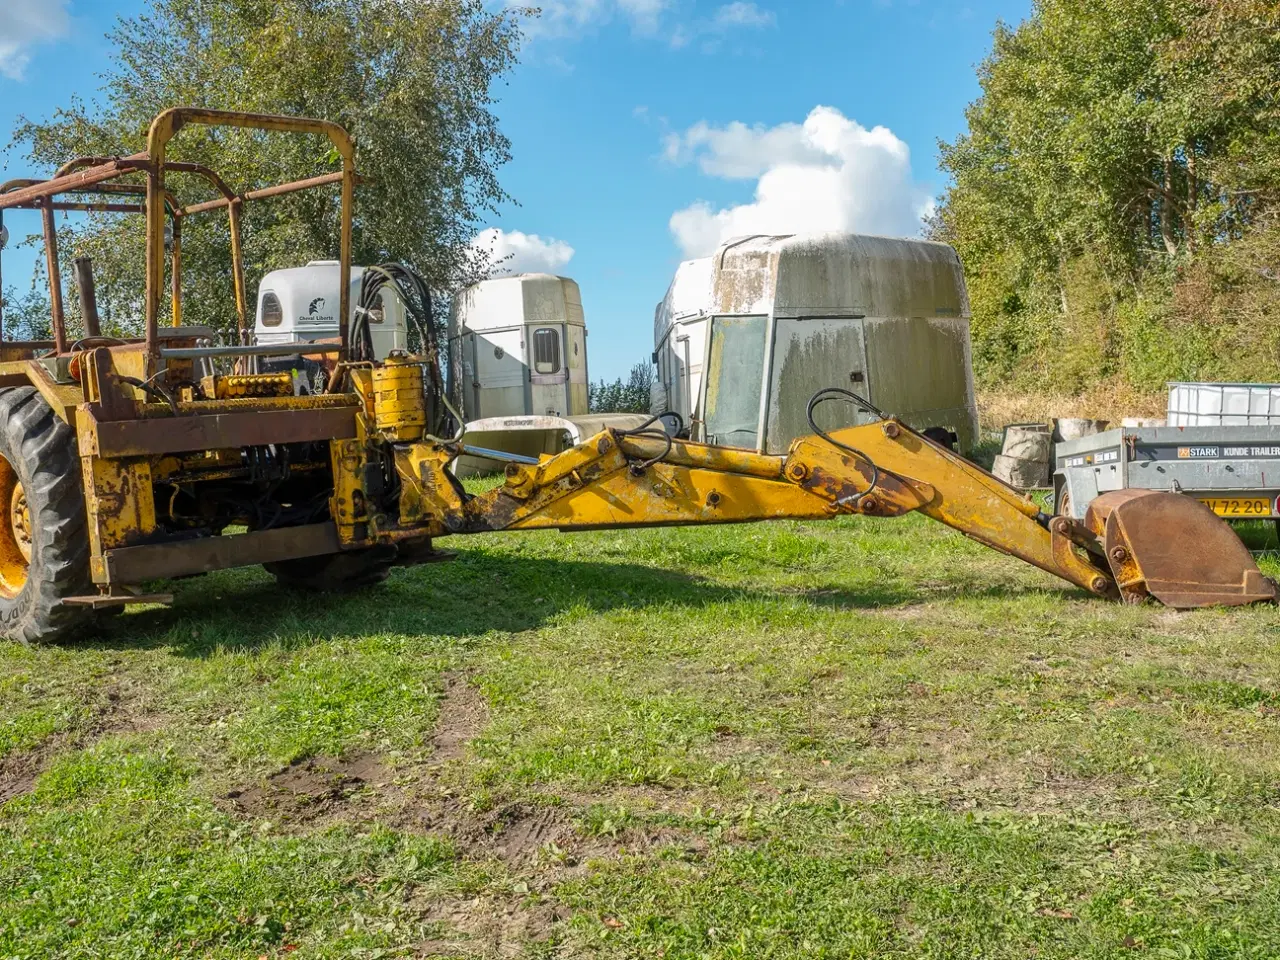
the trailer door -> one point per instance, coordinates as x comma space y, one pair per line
500, 374
811, 353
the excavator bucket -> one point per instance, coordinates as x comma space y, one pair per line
1174, 548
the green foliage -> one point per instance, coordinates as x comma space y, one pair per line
26, 317
1121, 149
411, 80
629, 396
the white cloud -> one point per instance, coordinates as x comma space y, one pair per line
828, 173
516, 252
727, 18
24, 23
741, 14
561, 18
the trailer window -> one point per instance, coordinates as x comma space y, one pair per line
735, 368
546, 350
272, 313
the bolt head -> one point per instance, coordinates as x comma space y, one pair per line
1119, 554
1099, 584
892, 430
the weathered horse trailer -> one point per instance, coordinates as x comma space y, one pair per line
300, 305
518, 365
785, 316
680, 340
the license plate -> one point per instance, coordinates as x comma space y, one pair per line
1240, 507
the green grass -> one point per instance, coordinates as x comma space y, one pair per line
854, 739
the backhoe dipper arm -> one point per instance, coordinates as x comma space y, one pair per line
616, 479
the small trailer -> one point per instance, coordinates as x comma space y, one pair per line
1222, 446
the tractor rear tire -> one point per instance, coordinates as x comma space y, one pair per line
335, 572
44, 540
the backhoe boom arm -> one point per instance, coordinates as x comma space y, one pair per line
618, 480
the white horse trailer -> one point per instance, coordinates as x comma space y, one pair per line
518, 369
519, 346
300, 305
785, 316
680, 340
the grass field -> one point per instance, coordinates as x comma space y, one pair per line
856, 739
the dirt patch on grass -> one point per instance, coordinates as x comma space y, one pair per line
463, 714
317, 788
514, 833
19, 771
490, 927
115, 710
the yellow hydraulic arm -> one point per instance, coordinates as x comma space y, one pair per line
882, 469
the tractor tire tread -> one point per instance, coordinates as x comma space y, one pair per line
50, 473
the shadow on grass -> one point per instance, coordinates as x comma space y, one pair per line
470, 596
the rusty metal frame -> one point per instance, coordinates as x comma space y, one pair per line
46, 205
165, 127
93, 174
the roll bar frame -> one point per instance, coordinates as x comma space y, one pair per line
102, 176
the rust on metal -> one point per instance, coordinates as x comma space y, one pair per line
73, 182
108, 601
165, 560
162, 131
55, 277
82, 267
264, 193
218, 431
1174, 548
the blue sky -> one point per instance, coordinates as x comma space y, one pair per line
644, 131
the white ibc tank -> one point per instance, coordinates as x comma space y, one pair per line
1224, 404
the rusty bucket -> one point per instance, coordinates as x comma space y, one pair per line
1174, 548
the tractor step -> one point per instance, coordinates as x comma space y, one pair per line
106, 601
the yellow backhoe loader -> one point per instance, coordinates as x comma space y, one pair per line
126, 462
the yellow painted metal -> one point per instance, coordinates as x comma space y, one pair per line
15, 532
175, 271
347, 506
670, 495
971, 500
119, 506
251, 385
427, 497
62, 398
237, 271
361, 378
399, 404
606, 482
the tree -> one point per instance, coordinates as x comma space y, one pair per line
1117, 146
629, 396
410, 79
